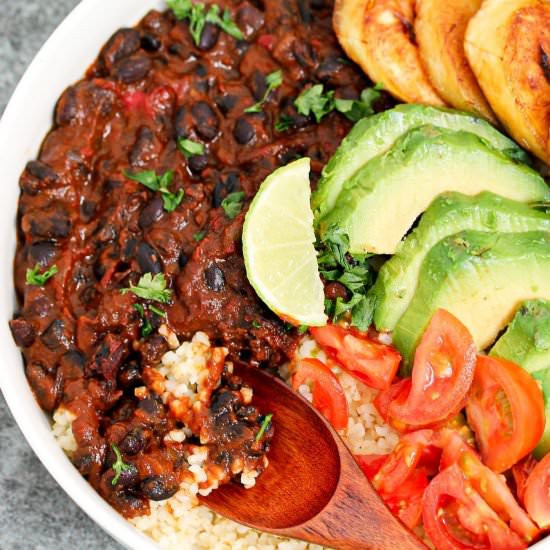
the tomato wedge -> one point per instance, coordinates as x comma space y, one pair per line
537, 491
328, 395
456, 517
506, 411
442, 374
372, 363
406, 501
521, 472
490, 486
370, 464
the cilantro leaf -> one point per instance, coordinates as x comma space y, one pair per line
151, 288
302, 329
264, 427
362, 312
197, 16
273, 81
119, 466
356, 109
190, 148
157, 311
34, 277
153, 182
284, 123
233, 204
199, 235
315, 101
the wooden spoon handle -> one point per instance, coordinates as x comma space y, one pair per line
356, 517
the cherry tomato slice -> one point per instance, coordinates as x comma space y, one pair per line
442, 373
505, 409
372, 363
537, 491
521, 472
370, 464
490, 486
456, 517
328, 395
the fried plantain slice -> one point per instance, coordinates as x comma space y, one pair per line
440, 28
379, 36
508, 46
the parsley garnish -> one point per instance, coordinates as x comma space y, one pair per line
352, 271
264, 427
149, 179
190, 148
196, 14
34, 277
302, 329
273, 81
151, 288
233, 204
119, 466
284, 123
315, 101
199, 235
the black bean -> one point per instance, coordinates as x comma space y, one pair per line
206, 120
133, 69
250, 20
226, 103
54, 227
142, 147
122, 44
197, 163
243, 131
54, 337
232, 182
215, 279
258, 85
151, 406
23, 332
305, 11
219, 194
133, 442
42, 252
129, 375
176, 48
223, 402
87, 210
129, 249
317, 4
41, 171
157, 488
209, 37
128, 477
66, 109
181, 123
152, 213
183, 259
202, 86
201, 70
150, 43
107, 233
148, 259
304, 54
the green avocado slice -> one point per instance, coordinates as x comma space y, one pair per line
380, 203
374, 135
449, 213
481, 278
526, 342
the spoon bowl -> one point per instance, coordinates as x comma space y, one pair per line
313, 489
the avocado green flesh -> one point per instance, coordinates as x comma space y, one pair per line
526, 342
380, 203
449, 213
374, 135
481, 278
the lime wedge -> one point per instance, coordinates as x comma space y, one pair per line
278, 238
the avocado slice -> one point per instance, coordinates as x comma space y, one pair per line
380, 203
449, 213
374, 135
481, 278
526, 342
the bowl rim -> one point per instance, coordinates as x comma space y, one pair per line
17, 148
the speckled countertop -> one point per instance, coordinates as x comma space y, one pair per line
28, 494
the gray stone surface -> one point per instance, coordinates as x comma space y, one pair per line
35, 514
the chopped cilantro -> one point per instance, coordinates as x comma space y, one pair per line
199, 235
356, 109
264, 427
190, 148
233, 204
119, 466
256, 324
161, 184
273, 81
302, 329
151, 288
34, 277
157, 311
198, 16
284, 123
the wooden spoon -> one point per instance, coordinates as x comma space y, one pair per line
313, 489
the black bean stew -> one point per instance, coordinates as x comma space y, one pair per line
82, 211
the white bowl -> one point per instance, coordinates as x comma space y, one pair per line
28, 117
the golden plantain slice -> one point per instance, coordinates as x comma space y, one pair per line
439, 28
378, 35
508, 46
